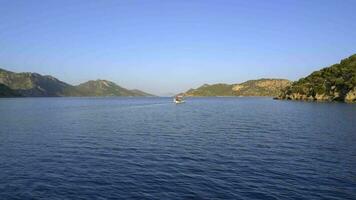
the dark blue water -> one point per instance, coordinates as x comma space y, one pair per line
149, 148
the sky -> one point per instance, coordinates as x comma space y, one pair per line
168, 46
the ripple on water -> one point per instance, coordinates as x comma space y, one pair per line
148, 148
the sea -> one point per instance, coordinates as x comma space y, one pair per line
150, 148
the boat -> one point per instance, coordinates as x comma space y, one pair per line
178, 99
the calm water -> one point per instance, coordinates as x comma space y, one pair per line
149, 148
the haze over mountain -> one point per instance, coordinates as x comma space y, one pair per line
28, 84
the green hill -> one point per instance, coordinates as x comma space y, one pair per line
141, 93
36, 85
7, 92
260, 87
33, 84
334, 83
106, 88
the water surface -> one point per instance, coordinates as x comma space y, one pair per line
149, 148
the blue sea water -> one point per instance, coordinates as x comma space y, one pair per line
150, 148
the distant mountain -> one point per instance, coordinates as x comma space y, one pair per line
7, 92
36, 85
106, 88
260, 87
334, 83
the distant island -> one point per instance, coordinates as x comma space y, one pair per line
334, 83
35, 85
260, 87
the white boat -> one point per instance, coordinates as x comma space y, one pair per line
178, 99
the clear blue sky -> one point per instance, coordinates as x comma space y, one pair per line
170, 46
